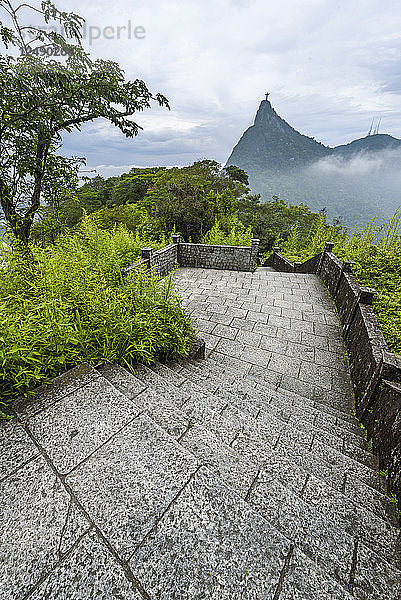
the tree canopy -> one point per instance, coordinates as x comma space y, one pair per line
42, 99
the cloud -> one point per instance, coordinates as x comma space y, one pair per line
330, 68
387, 163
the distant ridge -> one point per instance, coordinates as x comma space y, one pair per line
369, 143
281, 161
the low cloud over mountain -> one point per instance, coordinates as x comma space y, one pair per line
354, 181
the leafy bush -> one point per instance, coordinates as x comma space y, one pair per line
71, 303
132, 216
376, 251
277, 218
228, 231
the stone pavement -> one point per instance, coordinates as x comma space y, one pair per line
243, 476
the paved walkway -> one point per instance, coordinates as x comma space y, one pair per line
243, 476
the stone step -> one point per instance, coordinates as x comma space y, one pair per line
243, 467
312, 532
213, 379
256, 406
129, 484
294, 410
297, 419
304, 437
218, 363
276, 403
212, 544
235, 428
327, 399
322, 540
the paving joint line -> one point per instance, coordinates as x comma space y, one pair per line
251, 487
171, 503
283, 572
64, 475
123, 563
354, 561
184, 433
64, 557
22, 465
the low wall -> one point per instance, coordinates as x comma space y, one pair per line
279, 262
165, 259
383, 423
206, 256
375, 372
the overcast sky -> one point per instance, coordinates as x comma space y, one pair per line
329, 65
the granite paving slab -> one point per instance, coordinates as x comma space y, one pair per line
53, 391
220, 459
90, 571
16, 447
37, 525
122, 379
323, 540
304, 581
74, 427
128, 483
210, 544
378, 533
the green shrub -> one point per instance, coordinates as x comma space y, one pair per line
228, 231
71, 303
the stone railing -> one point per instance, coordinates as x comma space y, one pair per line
206, 256
375, 371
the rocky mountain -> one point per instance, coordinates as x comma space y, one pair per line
354, 181
369, 143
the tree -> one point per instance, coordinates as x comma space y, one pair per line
43, 98
189, 199
133, 186
237, 174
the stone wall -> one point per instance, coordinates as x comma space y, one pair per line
161, 261
232, 258
375, 372
206, 256
279, 262
383, 423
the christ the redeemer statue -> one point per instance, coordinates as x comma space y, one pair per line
267, 95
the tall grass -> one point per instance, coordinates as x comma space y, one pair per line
228, 231
71, 303
376, 251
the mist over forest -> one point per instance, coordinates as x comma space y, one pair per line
354, 188
354, 181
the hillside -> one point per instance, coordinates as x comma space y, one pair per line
369, 143
273, 145
354, 181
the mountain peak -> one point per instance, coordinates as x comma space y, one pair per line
271, 143
281, 161
265, 111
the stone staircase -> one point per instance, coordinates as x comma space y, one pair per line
240, 476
